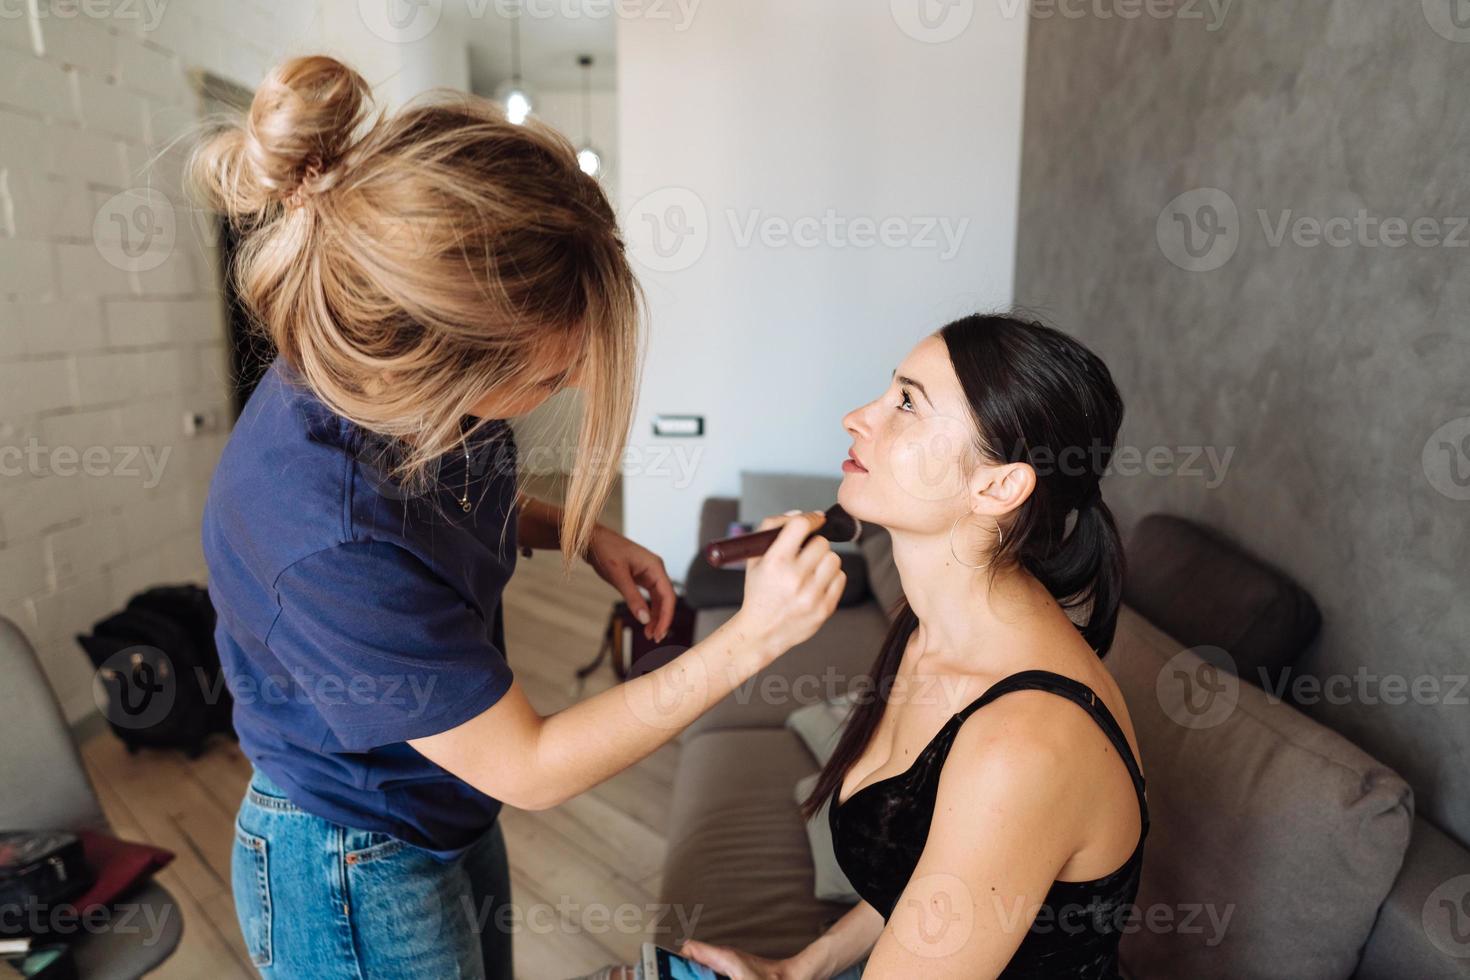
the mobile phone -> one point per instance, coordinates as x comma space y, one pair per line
665, 964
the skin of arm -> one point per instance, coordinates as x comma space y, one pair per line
1006, 821
512, 753
538, 524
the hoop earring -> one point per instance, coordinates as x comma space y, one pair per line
999, 540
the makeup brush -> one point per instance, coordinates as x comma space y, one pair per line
837, 525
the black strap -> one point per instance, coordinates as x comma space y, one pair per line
1075, 690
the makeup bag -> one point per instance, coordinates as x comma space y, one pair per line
632, 653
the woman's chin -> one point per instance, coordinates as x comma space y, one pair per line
850, 496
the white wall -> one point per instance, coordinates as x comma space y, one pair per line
102, 352
779, 112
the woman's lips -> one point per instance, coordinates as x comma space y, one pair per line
851, 464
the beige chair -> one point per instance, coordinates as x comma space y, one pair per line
44, 786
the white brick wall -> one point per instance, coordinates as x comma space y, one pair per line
108, 335
100, 352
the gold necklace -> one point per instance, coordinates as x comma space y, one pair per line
464, 499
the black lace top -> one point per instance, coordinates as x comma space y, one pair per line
879, 832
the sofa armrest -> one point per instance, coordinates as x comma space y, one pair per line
1412, 936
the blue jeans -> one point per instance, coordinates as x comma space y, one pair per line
322, 901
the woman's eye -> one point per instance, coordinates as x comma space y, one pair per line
906, 403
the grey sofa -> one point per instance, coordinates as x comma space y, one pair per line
43, 785
1277, 848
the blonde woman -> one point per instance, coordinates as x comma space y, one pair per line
423, 277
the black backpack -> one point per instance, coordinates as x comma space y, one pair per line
160, 670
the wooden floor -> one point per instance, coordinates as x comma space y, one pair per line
578, 871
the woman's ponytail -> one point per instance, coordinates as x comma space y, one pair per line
1085, 573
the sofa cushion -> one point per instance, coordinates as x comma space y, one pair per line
1273, 839
819, 725
1204, 591
836, 657
877, 547
831, 884
739, 863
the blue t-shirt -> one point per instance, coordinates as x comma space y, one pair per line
353, 617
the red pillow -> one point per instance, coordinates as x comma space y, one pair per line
119, 867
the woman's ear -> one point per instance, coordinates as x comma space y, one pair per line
1002, 489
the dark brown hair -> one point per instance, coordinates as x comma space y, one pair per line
1039, 397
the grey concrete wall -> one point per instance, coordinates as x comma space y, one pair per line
1328, 364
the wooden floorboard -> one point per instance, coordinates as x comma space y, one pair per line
584, 875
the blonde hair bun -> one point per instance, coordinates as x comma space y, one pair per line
302, 124
439, 253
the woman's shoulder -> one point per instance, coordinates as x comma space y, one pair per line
1038, 717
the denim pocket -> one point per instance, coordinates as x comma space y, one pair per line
250, 883
375, 846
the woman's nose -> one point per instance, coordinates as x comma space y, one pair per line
853, 422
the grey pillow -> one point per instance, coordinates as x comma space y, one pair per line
819, 725
765, 494
883, 581
832, 884
1273, 840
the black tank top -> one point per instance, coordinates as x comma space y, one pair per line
879, 832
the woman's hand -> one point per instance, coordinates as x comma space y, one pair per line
625, 566
742, 966
792, 589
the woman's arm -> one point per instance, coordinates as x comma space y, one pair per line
514, 754
829, 954
1007, 819
538, 524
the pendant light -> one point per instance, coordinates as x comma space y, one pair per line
513, 93
587, 157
